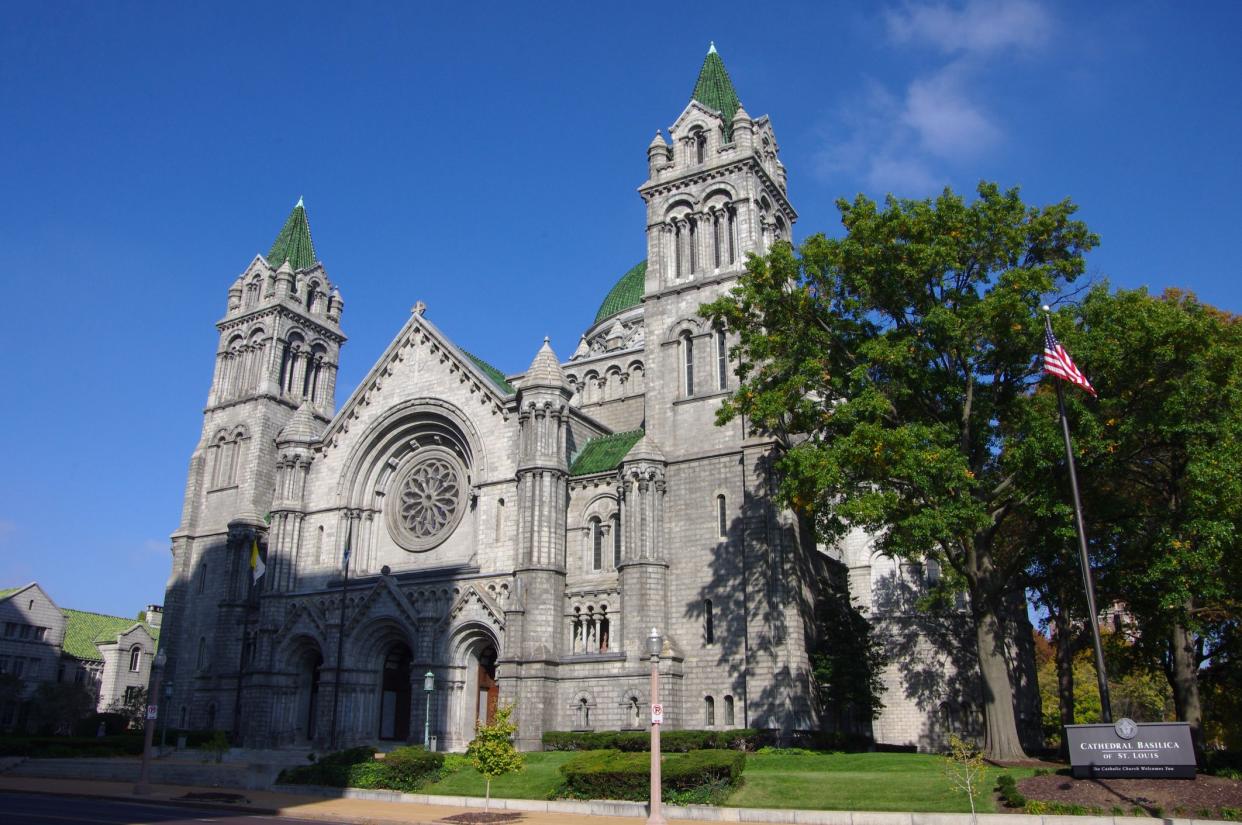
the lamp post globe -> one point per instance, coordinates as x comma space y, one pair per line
655, 643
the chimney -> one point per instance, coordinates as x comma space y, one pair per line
155, 615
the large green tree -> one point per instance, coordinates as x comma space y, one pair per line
1160, 451
892, 361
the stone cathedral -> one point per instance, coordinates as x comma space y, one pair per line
507, 538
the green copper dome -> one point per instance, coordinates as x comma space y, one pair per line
627, 293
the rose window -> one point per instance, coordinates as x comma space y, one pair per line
426, 502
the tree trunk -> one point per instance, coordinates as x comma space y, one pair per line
1065, 675
1183, 676
1000, 740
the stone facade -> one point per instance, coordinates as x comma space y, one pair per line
40, 642
514, 537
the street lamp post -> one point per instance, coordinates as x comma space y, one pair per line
148, 724
655, 643
429, 684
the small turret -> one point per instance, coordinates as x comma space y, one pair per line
545, 370
235, 296
658, 154
743, 129
284, 281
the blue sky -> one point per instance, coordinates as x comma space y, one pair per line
484, 159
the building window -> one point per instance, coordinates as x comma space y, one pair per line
4, 664
722, 516
25, 631
709, 632
717, 240
500, 519
597, 544
184, 713
693, 240
132, 694
722, 361
732, 233
728, 710
700, 147
709, 711
202, 578
10, 630
40, 633
616, 540
687, 349
202, 653
135, 659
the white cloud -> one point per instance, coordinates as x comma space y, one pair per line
948, 123
976, 27
911, 138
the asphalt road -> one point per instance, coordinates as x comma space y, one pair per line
39, 809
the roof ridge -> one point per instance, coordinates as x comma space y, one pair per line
497, 377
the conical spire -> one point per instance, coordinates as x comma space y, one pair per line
714, 89
545, 370
293, 244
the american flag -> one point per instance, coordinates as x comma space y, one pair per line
1058, 362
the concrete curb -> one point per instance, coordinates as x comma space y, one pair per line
152, 800
709, 813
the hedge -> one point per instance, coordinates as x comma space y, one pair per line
60, 747
611, 774
633, 741
404, 769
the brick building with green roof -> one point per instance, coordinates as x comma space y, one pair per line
515, 535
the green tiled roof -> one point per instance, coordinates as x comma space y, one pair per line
599, 455
84, 630
9, 591
627, 293
715, 91
498, 377
293, 244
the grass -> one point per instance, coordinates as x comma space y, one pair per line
540, 778
859, 782
829, 781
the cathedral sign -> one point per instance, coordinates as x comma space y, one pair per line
1131, 750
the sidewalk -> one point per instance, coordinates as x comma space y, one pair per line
294, 805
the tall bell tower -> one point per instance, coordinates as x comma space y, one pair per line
279, 345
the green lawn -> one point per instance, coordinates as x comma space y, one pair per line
541, 776
830, 781
857, 781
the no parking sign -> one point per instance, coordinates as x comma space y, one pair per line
657, 714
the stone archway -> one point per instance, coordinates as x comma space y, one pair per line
473, 651
395, 693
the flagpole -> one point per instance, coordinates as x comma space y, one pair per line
1106, 708
340, 633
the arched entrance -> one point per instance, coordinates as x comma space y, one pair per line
394, 716
489, 690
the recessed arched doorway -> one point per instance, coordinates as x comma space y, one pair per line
489, 689
394, 721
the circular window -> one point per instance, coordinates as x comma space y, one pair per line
426, 502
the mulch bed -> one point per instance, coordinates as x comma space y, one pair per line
1171, 796
482, 818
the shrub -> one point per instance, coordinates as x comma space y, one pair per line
1007, 787
611, 774
406, 769
632, 741
334, 770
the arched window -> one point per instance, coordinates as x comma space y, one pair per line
500, 518
202, 652
709, 631
135, 659
202, 578
693, 227
700, 146
731, 214
312, 296
597, 545
722, 516
679, 249
722, 361
687, 350
616, 540
717, 240
709, 711
728, 711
